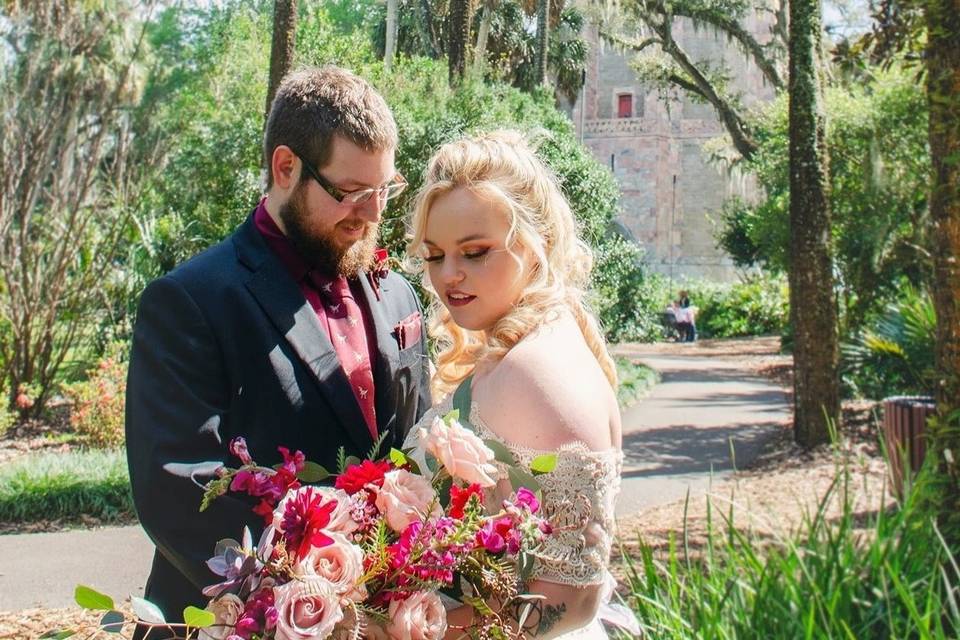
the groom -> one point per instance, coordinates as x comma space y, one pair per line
286, 333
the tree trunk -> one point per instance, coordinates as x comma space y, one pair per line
282, 48
943, 95
460, 17
543, 39
812, 307
427, 32
480, 51
391, 39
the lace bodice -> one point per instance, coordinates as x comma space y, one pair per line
578, 499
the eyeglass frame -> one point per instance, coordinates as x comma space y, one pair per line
340, 195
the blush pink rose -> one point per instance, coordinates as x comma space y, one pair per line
460, 451
227, 609
405, 498
340, 519
307, 608
419, 617
340, 563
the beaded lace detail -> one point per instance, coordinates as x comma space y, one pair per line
578, 500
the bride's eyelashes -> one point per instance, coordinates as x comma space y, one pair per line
469, 255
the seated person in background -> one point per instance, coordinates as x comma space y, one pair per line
684, 327
690, 317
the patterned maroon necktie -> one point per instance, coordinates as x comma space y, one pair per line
349, 339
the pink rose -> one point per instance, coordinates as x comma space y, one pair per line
307, 608
419, 617
340, 519
405, 498
227, 609
340, 563
460, 451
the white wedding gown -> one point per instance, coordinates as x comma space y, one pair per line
578, 499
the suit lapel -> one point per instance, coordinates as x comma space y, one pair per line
283, 302
388, 355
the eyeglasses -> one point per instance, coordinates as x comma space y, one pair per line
387, 191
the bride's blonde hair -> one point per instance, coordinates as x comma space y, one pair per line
501, 166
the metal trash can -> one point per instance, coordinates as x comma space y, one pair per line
904, 431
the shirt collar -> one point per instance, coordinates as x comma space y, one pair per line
279, 243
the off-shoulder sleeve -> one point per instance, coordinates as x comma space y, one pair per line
579, 500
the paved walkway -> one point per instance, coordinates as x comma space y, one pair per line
704, 419
674, 439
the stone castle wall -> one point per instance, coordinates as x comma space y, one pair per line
671, 195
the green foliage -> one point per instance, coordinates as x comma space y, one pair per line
91, 599
635, 381
831, 580
8, 418
756, 306
98, 404
894, 354
627, 299
879, 166
511, 43
64, 485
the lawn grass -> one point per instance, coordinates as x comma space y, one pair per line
51, 486
636, 380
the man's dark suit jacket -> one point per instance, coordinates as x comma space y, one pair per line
226, 345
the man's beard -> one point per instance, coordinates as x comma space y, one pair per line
320, 251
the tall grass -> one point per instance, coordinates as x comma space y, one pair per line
49, 486
891, 577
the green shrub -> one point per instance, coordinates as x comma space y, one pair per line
895, 353
758, 306
636, 380
98, 404
897, 579
64, 485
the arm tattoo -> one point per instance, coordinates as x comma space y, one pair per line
541, 618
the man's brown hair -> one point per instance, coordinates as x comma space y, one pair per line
314, 104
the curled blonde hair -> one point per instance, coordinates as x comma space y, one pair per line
502, 166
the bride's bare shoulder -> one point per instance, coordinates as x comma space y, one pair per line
548, 391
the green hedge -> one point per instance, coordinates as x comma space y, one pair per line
47, 486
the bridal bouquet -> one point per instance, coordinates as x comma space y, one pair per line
369, 556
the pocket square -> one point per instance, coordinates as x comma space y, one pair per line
408, 330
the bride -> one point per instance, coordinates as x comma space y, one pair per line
498, 247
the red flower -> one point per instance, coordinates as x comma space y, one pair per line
459, 498
379, 270
358, 476
304, 519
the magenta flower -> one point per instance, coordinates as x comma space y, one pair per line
526, 498
238, 447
